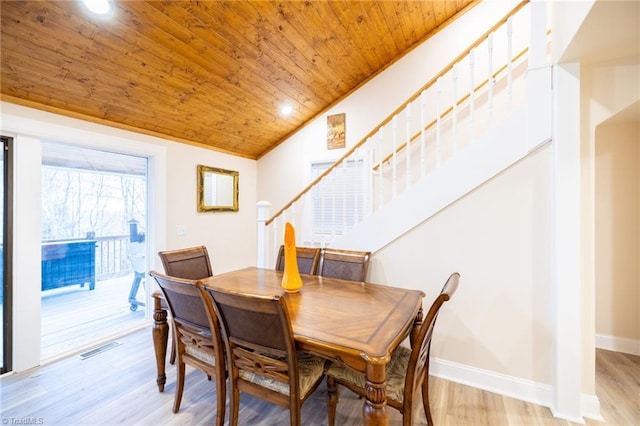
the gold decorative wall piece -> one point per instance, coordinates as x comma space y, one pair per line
217, 189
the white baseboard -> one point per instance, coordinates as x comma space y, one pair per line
618, 344
510, 386
590, 407
513, 387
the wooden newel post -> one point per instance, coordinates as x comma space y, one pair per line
263, 215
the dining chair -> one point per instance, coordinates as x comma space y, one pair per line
197, 339
406, 373
262, 359
344, 264
191, 263
308, 258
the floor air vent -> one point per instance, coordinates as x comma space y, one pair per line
99, 350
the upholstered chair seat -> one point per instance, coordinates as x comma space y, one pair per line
396, 372
310, 370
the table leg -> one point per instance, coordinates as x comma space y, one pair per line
160, 334
374, 411
417, 323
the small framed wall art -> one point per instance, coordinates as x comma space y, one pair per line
336, 131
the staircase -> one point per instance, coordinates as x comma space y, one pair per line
476, 118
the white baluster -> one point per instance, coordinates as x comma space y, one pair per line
332, 176
311, 202
408, 149
298, 221
472, 94
292, 219
263, 215
491, 82
454, 120
303, 221
438, 127
344, 195
322, 230
394, 129
423, 101
380, 179
369, 175
358, 207
509, 63
277, 238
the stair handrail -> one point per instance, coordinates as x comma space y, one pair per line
399, 109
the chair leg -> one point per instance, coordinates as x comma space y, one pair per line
425, 399
179, 386
221, 396
172, 358
332, 400
234, 406
295, 417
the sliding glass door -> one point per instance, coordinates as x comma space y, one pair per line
93, 246
5, 255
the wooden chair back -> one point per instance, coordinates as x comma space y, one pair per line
191, 263
197, 338
308, 259
261, 352
344, 264
418, 367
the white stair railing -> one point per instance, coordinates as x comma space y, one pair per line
420, 136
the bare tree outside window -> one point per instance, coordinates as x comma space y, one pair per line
75, 202
93, 194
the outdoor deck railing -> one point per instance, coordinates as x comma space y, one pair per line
111, 255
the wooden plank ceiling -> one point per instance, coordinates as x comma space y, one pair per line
214, 73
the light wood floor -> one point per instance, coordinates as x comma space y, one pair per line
73, 316
118, 387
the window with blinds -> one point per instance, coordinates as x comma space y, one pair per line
338, 198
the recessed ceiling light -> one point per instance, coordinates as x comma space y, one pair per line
100, 7
286, 110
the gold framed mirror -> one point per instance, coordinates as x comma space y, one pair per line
217, 190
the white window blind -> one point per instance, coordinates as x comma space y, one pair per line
338, 198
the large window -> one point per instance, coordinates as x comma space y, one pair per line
338, 200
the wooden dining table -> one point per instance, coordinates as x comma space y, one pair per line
355, 323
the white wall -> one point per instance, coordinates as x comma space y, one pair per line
617, 227
498, 238
229, 237
566, 17
607, 88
